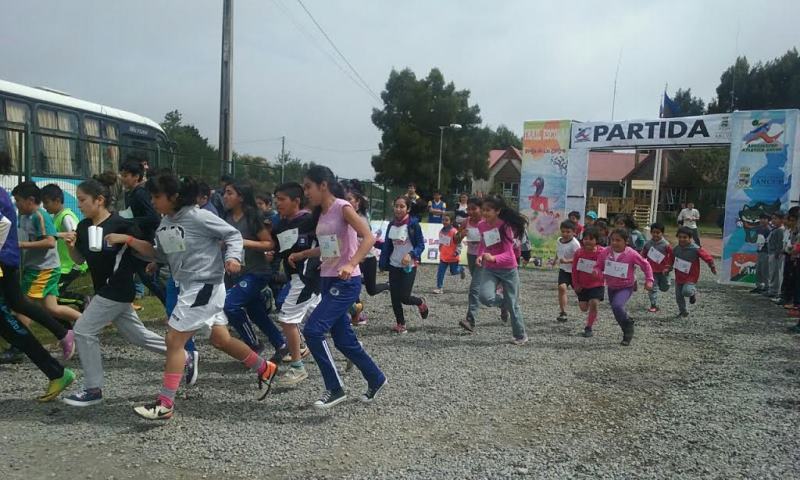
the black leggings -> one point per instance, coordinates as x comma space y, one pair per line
402, 283
18, 335
369, 274
17, 301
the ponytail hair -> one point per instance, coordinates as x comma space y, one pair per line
361, 201
517, 222
167, 183
320, 174
100, 185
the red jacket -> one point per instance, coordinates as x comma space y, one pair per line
692, 254
584, 279
665, 264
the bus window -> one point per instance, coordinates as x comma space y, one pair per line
102, 153
57, 149
139, 150
12, 141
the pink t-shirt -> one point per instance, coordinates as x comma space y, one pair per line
336, 236
498, 240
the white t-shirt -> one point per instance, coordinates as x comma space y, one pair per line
566, 251
690, 216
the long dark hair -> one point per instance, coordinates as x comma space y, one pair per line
363, 204
319, 174
167, 183
100, 186
251, 213
517, 222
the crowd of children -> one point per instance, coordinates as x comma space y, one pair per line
228, 256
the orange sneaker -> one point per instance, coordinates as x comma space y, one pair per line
265, 379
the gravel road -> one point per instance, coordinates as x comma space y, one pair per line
716, 395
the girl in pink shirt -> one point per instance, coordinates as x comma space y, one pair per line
586, 284
616, 263
498, 261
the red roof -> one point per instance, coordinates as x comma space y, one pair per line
611, 166
496, 155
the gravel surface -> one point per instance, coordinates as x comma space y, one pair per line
716, 395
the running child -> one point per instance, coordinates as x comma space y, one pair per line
368, 266
41, 268
602, 229
687, 268
65, 221
588, 286
112, 268
566, 247
575, 217
636, 238
400, 255
295, 233
658, 253
498, 261
449, 253
617, 264
188, 239
245, 303
338, 229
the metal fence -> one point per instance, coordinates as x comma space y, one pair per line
48, 157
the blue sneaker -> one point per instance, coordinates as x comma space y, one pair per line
85, 398
190, 368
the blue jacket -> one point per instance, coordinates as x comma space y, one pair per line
417, 241
9, 253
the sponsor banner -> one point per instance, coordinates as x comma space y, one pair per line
543, 185
431, 233
661, 132
762, 161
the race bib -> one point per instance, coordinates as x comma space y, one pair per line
655, 255
586, 265
473, 234
616, 269
445, 240
288, 238
127, 213
682, 265
171, 241
398, 233
329, 246
491, 237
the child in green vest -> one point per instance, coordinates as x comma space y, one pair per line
65, 221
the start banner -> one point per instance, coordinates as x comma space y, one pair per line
661, 132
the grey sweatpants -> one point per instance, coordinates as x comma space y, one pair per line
775, 273
762, 270
101, 312
661, 282
682, 291
509, 279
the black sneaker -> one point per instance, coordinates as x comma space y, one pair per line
562, 317
756, 290
587, 332
277, 357
331, 399
693, 299
423, 309
371, 392
682, 315
503, 314
465, 324
627, 334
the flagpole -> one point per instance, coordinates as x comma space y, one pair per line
657, 171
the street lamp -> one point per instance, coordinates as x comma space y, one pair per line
454, 126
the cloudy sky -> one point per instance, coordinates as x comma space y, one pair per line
522, 60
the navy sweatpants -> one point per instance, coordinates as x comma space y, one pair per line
332, 315
245, 303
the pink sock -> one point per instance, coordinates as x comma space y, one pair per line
169, 388
590, 319
255, 363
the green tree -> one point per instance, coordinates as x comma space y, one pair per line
413, 111
504, 137
688, 106
194, 155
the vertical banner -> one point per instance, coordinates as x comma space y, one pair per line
543, 186
763, 145
577, 177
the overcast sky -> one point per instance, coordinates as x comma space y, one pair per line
522, 60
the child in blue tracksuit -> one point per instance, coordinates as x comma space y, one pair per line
400, 255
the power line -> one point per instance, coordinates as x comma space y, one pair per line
336, 150
322, 30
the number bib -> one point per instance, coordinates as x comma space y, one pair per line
445, 240
398, 233
473, 234
586, 265
655, 255
288, 238
491, 237
616, 269
171, 241
329, 246
682, 265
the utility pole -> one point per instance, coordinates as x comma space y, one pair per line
283, 156
225, 110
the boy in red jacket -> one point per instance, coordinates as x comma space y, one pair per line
658, 253
687, 257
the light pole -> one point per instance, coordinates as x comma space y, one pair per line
454, 126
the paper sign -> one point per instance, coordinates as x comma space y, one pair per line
444, 240
398, 233
171, 241
491, 237
473, 234
127, 213
616, 269
586, 265
329, 246
655, 255
682, 265
287, 239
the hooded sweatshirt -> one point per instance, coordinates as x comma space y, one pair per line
613, 265
664, 248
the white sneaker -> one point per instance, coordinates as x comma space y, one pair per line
438, 291
304, 352
292, 376
519, 341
